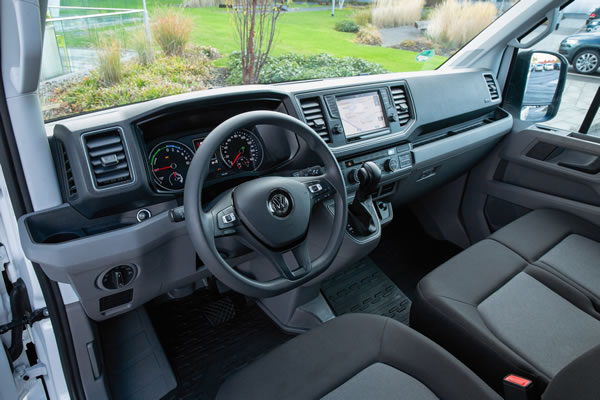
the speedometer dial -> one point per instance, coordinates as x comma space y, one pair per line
242, 151
169, 162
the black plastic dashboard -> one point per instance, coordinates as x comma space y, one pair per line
423, 129
415, 109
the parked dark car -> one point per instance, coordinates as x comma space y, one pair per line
593, 25
595, 14
582, 51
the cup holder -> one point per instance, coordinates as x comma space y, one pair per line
61, 237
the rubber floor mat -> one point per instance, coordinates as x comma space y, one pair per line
364, 288
207, 338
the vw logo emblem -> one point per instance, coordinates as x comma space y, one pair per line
280, 203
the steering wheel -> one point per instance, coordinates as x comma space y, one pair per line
269, 214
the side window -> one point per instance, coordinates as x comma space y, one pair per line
578, 40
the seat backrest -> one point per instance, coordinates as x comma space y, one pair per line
579, 380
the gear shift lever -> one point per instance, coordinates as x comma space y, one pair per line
363, 221
369, 176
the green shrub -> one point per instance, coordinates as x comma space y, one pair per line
171, 30
363, 17
165, 76
369, 35
109, 61
294, 67
143, 47
209, 52
346, 26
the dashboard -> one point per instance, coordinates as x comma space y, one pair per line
138, 155
123, 170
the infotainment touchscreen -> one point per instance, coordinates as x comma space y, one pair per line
361, 113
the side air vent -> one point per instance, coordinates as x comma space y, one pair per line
70, 182
401, 103
107, 157
315, 118
491, 84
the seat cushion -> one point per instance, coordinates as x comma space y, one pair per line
352, 355
523, 301
537, 232
539, 324
380, 381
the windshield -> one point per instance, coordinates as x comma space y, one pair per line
104, 53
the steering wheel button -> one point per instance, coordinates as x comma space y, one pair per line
228, 218
315, 188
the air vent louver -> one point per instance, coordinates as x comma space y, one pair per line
69, 180
315, 118
491, 84
107, 157
401, 103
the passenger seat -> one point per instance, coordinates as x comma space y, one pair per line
526, 300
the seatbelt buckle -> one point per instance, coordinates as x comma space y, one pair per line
518, 388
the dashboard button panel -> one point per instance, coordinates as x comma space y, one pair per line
394, 162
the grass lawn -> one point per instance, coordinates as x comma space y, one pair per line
305, 33
298, 32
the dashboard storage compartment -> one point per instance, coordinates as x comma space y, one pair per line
64, 224
150, 256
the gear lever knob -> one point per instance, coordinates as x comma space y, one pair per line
369, 176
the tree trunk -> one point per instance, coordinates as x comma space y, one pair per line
251, 57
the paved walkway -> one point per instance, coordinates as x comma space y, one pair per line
394, 36
577, 97
304, 9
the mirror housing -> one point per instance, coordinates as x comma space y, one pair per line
536, 85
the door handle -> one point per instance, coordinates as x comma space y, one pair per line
591, 167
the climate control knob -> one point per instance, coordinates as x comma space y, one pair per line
390, 165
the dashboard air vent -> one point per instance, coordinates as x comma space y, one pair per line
491, 84
401, 103
107, 157
315, 118
70, 182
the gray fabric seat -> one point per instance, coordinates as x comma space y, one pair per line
357, 356
523, 301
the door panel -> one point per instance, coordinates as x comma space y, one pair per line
532, 169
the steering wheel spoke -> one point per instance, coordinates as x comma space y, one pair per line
288, 269
222, 216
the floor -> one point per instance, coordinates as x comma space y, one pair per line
365, 288
208, 336
406, 253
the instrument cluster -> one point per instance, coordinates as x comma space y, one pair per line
169, 160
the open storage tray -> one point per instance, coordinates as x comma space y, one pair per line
64, 223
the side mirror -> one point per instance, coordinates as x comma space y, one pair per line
536, 86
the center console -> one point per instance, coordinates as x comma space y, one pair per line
394, 163
348, 119
366, 127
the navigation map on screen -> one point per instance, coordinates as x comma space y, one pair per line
361, 113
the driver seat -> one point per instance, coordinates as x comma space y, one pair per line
357, 356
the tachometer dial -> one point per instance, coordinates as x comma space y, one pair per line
169, 162
242, 151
